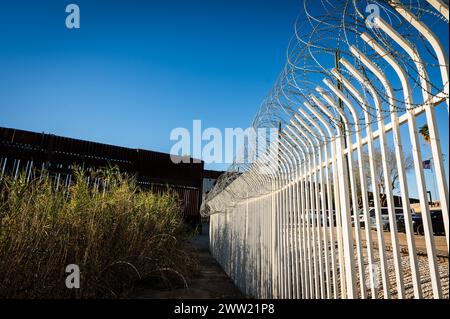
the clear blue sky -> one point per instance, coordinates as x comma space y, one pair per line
137, 69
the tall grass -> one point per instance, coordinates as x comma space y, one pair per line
116, 235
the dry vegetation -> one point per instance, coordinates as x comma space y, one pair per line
115, 234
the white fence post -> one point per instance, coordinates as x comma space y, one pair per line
294, 229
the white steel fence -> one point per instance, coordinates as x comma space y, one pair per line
334, 217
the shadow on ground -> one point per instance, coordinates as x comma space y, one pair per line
210, 283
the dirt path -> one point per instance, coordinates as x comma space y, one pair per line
212, 281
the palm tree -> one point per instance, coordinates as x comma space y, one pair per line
423, 130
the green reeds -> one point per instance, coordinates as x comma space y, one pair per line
114, 232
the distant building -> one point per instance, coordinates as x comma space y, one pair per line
431, 205
209, 180
397, 200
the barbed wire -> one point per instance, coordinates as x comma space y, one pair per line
323, 32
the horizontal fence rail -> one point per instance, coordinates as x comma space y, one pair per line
326, 211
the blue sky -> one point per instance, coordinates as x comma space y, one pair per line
137, 69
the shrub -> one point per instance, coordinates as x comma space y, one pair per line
114, 232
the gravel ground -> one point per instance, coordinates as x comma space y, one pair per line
422, 258
425, 279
